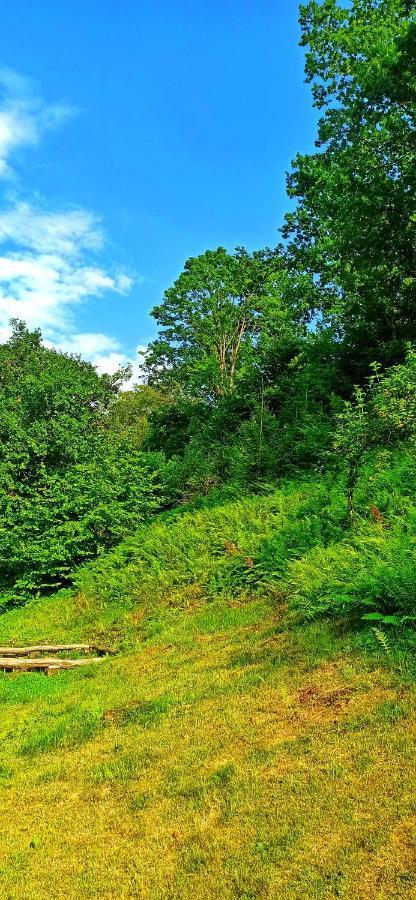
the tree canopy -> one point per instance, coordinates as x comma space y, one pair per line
210, 320
354, 227
66, 491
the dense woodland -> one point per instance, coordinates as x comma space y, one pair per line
275, 366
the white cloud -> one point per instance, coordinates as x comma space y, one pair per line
48, 269
111, 362
49, 264
46, 274
87, 344
67, 232
24, 116
104, 352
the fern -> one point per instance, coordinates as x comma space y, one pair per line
381, 637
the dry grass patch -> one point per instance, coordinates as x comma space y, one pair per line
213, 762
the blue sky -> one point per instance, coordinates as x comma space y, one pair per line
134, 134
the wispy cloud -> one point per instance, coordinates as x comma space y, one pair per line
67, 232
51, 259
48, 267
24, 116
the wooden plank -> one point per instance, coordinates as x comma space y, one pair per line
42, 648
52, 648
24, 664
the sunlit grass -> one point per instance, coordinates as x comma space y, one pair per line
243, 762
223, 752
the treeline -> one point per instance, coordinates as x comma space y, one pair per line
266, 364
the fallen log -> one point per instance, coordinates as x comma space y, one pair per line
52, 648
25, 664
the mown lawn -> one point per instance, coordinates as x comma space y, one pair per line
220, 755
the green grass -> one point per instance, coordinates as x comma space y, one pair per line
228, 750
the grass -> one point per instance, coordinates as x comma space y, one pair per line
250, 762
224, 752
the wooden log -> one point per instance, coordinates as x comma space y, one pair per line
42, 648
52, 648
103, 651
52, 670
25, 664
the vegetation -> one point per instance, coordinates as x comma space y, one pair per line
222, 752
241, 528
273, 364
70, 487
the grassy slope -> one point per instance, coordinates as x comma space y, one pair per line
223, 753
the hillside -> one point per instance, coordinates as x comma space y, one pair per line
228, 749
208, 479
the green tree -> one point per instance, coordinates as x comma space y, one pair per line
209, 322
67, 489
382, 414
354, 229
129, 416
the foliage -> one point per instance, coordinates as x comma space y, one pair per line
281, 460
369, 573
354, 225
385, 413
209, 321
67, 491
293, 365
291, 544
128, 416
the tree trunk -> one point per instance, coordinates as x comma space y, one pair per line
234, 351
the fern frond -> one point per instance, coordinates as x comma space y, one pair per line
382, 639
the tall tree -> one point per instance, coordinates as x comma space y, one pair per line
354, 229
209, 321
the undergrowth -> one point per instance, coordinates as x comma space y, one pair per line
294, 544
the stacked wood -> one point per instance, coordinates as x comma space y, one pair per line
25, 664
29, 659
47, 664
54, 648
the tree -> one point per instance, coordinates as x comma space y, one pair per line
384, 414
68, 489
129, 416
354, 230
209, 321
